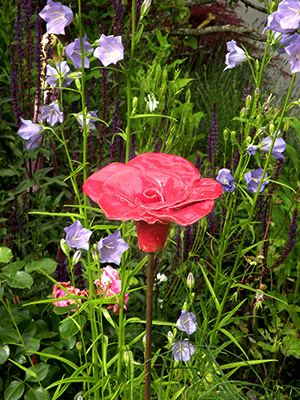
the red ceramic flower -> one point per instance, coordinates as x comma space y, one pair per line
153, 189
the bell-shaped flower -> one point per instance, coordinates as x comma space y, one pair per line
91, 116
31, 132
293, 50
52, 113
226, 179
278, 148
183, 350
57, 17
112, 247
251, 150
110, 50
73, 52
62, 69
77, 236
235, 56
253, 179
186, 322
286, 19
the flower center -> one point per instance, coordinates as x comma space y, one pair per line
151, 196
108, 245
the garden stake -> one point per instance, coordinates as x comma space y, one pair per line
149, 302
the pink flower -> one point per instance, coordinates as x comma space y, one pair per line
153, 189
111, 286
58, 292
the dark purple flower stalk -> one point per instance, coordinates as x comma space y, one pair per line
212, 147
138, 5
187, 242
61, 273
262, 213
292, 238
198, 161
178, 253
246, 89
20, 54
14, 87
78, 272
39, 66
28, 50
118, 20
212, 223
115, 129
157, 141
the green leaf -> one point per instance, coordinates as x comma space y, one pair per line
49, 351
20, 280
7, 172
46, 265
14, 391
191, 41
5, 255
41, 371
70, 326
63, 310
11, 269
36, 394
4, 353
8, 334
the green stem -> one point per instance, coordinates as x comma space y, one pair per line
128, 128
237, 260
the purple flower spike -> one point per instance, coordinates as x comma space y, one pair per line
77, 236
110, 50
226, 179
253, 179
90, 117
53, 73
73, 52
30, 132
251, 150
278, 148
112, 247
183, 350
57, 17
287, 17
293, 51
52, 113
235, 56
186, 322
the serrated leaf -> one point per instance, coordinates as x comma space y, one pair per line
46, 265
5, 255
20, 280
14, 391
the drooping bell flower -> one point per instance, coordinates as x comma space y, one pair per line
154, 190
30, 132
226, 179
183, 350
253, 179
73, 52
52, 113
187, 322
235, 56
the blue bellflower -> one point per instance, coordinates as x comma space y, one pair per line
235, 56
112, 247
278, 148
286, 19
284, 40
253, 179
52, 114
61, 69
110, 50
293, 50
90, 117
183, 350
73, 52
57, 17
186, 322
226, 179
251, 149
77, 236
30, 132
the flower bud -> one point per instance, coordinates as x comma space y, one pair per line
248, 101
190, 281
232, 136
65, 248
134, 106
78, 84
185, 306
76, 257
144, 340
51, 63
256, 65
170, 337
256, 93
95, 254
78, 345
226, 134
243, 112
126, 358
145, 8
271, 129
286, 125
